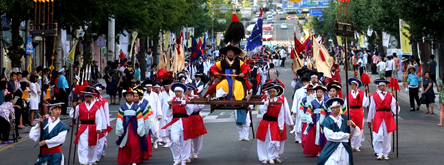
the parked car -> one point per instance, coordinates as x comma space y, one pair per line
284, 26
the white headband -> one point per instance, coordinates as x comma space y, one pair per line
313, 76
354, 81
178, 89
381, 83
334, 104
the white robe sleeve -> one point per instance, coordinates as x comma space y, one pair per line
56, 140
157, 106
104, 121
295, 105
200, 88
365, 101
287, 116
393, 106
34, 133
281, 118
336, 136
263, 108
371, 110
71, 112
190, 108
99, 120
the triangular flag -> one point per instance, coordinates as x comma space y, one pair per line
72, 53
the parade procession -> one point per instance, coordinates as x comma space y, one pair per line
203, 82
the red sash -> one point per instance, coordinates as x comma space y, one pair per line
51, 150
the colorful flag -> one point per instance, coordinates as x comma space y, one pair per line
255, 38
195, 49
308, 44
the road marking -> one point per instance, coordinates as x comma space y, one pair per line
13, 144
211, 117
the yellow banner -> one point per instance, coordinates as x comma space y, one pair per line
166, 37
406, 48
217, 39
133, 40
361, 41
339, 39
72, 53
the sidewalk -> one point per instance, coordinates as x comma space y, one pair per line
405, 95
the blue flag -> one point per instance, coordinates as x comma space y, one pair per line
255, 38
29, 47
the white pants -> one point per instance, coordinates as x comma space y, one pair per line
382, 141
357, 140
87, 154
101, 146
275, 62
179, 147
268, 149
156, 129
197, 145
245, 128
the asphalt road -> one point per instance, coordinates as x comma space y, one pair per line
420, 142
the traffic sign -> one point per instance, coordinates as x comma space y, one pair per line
298, 12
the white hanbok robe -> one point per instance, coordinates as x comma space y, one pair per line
154, 102
298, 96
167, 115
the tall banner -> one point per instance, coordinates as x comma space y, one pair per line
133, 40
361, 41
339, 39
405, 38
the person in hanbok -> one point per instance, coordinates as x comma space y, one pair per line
54, 134
156, 115
167, 114
337, 151
383, 107
358, 100
181, 130
91, 124
296, 110
305, 103
315, 139
103, 103
129, 129
333, 89
197, 124
271, 132
198, 83
145, 108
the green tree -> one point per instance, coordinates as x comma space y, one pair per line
17, 11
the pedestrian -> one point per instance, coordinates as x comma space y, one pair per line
358, 101
181, 129
361, 64
106, 126
415, 86
441, 101
335, 76
166, 95
429, 93
383, 107
271, 132
63, 87
381, 68
144, 106
54, 136
20, 109
129, 129
6, 117
91, 124
298, 96
154, 102
337, 151
34, 98
432, 69
198, 83
283, 54
3, 90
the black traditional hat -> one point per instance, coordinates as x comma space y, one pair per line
278, 88
334, 102
179, 86
335, 85
235, 49
354, 80
381, 82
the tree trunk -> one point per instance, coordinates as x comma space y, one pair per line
155, 48
141, 54
440, 53
15, 52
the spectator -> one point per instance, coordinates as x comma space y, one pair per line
33, 97
25, 75
39, 71
272, 73
63, 87
283, 54
432, 68
414, 84
17, 81
441, 102
3, 90
137, 72
381, 68
11, 82
6, 116
46, 76
429, 93
361, 64
389, 67
95, 73
375, 60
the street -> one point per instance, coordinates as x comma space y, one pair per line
420, 141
